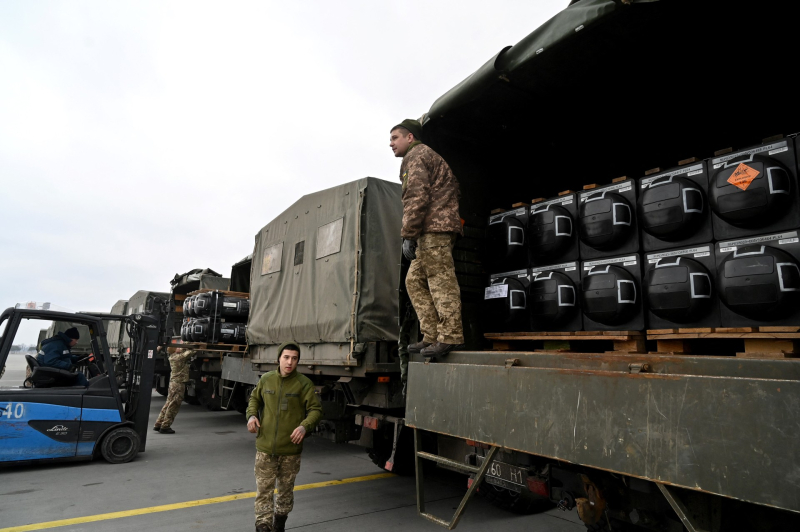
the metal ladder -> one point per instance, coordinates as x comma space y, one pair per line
479, 471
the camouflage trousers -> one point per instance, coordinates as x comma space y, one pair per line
433, 289
173, 404
407, 329
271, 470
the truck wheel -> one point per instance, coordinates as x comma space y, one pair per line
519, 502
120, 445
162, 390
404, 455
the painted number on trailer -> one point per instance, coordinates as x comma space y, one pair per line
13, 410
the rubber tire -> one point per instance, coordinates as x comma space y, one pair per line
521, 502
161, 390
120, 445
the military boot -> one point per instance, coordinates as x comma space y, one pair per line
264, 528
419, 346
439, 349
280, 523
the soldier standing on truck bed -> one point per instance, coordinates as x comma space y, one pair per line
179, 375
431, 224
290, 409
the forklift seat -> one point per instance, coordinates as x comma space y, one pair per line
44, 377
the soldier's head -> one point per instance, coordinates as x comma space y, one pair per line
403, 134
288, 357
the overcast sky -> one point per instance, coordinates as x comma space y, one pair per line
143, 139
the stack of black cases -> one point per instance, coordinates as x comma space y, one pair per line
718, 247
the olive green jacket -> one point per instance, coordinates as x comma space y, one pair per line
285, 403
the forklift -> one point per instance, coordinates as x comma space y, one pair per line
48, 418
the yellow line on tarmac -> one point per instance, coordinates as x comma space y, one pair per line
181, 505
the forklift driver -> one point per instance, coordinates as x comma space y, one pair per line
56, 353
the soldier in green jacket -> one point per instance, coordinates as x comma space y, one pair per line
290, 409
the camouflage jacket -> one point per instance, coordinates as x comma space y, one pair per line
179, 365
430, 194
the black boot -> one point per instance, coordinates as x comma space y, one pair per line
439, 349
419, 346
263, 528
280, 523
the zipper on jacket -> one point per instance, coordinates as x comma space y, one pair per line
277, 416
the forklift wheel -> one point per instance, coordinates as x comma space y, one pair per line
120, 445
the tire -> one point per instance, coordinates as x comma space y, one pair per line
403, 456
120, 445
519, 502
161, 390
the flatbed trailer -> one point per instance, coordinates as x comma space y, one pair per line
633, 441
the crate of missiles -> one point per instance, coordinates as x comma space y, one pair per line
215, 319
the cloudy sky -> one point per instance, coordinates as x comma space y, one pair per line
143, 139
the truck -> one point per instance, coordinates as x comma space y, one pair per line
632, 441
324, 273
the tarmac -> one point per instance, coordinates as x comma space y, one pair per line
201, 478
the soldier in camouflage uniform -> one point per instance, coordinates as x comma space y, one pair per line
179, 360
431, 220
289, 410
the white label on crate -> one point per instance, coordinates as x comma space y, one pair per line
229, 305
619, 187
537, 207
689, 170
779, 150
564, 265
149, 353
733, 244
499, 217
769, 148
788, 241
701, 252
624, 260
227, 331
571, 269
495, 292
706, 254
515, 273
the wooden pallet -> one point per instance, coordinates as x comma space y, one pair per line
228, 293
619, 341
216, 348
758, 342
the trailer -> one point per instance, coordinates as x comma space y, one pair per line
633, 441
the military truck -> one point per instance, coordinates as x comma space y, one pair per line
633, 441
324, 273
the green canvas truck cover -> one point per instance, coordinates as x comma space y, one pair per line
114, 328
197, 279
240, 275
138, 304
326, 270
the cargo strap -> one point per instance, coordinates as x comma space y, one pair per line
479, 472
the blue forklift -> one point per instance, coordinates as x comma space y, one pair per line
49, 418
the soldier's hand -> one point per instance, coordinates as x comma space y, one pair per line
298, 434
253, 425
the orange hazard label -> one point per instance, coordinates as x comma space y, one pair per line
743, 176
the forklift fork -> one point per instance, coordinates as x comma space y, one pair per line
479, 471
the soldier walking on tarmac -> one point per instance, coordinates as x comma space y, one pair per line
289, 410
431, 224
179, 375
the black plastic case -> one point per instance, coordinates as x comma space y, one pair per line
611, 294
758, 280
507, 241
505, 302
673, 208
607, 224
767, 203
553, 230
554, 302
680, 288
